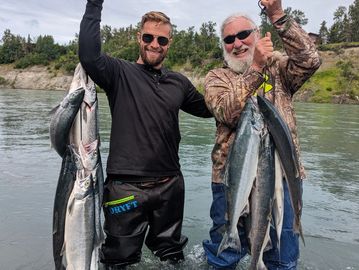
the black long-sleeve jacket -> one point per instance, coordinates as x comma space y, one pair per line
144, 105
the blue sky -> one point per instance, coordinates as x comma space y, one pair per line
61, 18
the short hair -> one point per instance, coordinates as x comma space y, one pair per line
234, 17
156, 16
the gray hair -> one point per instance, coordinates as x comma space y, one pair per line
235, 17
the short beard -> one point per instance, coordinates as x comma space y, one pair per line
154, 62
238, 66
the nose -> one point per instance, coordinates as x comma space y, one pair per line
237, 42
154, 43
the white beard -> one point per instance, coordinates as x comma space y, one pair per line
239, 66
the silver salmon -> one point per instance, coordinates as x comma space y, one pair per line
62, 118
82, 226
240, 172
261, 202
284, 144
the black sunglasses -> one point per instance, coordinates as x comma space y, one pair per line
240, 35
148, 38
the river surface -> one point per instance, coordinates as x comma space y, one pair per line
29, 170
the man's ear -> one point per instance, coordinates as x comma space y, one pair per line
138, 37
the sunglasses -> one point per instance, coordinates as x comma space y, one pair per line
148, 38
240, 35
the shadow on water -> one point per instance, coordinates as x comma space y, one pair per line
29, 169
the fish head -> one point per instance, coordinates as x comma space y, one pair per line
73, 99
89, 154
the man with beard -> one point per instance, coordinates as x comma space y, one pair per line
144, 189
252, 65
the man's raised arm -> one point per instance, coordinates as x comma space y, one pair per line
92, 60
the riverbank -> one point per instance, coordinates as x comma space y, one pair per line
326, 86
35, 77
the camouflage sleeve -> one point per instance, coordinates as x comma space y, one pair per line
226, 93
302, 56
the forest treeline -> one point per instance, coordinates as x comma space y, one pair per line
191, 49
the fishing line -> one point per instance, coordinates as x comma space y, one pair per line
262, 8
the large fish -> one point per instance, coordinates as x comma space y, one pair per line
62, 118
284, 144
261, 202
82, 228
63, 191
240, 172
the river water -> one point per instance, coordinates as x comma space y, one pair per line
29, 171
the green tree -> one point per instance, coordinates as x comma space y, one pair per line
323, 32
45, 45
297, 15
346, 31
106, 33
336, 30
354, 20
12, 48
121, 43
182, 48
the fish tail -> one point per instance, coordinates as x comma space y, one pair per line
229, 241
298, 229
301, 233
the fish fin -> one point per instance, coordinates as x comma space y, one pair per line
70, 204
229, 242
63, 250
52, 112
261, 265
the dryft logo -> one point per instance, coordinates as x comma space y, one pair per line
122, 205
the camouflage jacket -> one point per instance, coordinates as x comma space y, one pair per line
226, 91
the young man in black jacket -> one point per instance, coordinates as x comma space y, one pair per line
144, 188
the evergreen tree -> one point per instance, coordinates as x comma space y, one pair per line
12, 48
323, 32
346, 32
297, 15
354, 20
336, 30
45, 45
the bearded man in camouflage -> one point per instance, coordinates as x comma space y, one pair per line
250, 62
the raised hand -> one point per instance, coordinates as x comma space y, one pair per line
273, 8
262, 52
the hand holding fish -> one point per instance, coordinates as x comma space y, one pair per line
262, 52
273, 8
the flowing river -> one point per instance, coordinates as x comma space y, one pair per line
29, 170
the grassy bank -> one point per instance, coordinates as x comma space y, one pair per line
337, 80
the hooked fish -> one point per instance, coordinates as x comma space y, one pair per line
261, 202
64, 188
288, 157
62, 118
82, 231
240, 172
